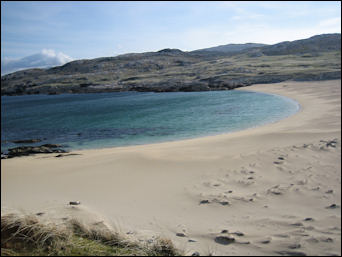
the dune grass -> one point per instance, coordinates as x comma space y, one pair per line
27, 235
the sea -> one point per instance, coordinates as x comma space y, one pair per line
100, 120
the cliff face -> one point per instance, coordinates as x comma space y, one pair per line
316, 58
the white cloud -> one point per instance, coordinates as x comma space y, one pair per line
332, 23
46, 58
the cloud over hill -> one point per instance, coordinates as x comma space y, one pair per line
46, 58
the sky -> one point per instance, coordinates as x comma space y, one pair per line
86, 29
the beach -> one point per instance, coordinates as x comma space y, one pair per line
275, 189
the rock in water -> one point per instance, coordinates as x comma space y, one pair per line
26, 141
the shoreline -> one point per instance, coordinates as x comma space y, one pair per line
71, 150
265, 182
210, 135
84, 151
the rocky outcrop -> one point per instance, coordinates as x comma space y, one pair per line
29, 150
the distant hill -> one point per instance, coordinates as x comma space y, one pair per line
315, 44
230, 48
315, 58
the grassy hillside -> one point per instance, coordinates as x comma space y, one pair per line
174, 70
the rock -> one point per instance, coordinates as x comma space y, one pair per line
224, 202
40, 213
26, 141
224, 240
331, 143
28, 150
204, 201
62, 155
275, 192
308, 219
224, 231
51, 145
180, 234
333, 206
195, 254
192, 241
329, 191
75, 203
238, 233
267, 241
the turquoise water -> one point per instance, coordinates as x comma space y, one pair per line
83, 121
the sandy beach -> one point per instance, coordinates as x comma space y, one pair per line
275, 188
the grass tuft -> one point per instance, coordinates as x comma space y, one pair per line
26, 235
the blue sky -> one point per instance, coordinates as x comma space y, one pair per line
94, 29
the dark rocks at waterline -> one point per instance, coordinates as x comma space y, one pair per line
29, 150
68, 154
52, 145
26, 141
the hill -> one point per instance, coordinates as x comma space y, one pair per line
315, 58
313, 45
230, 48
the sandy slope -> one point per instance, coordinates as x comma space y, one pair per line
276, 184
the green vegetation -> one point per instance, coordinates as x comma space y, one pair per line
29, 236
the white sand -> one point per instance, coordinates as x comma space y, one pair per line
263, 182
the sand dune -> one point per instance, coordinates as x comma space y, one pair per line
270, 190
